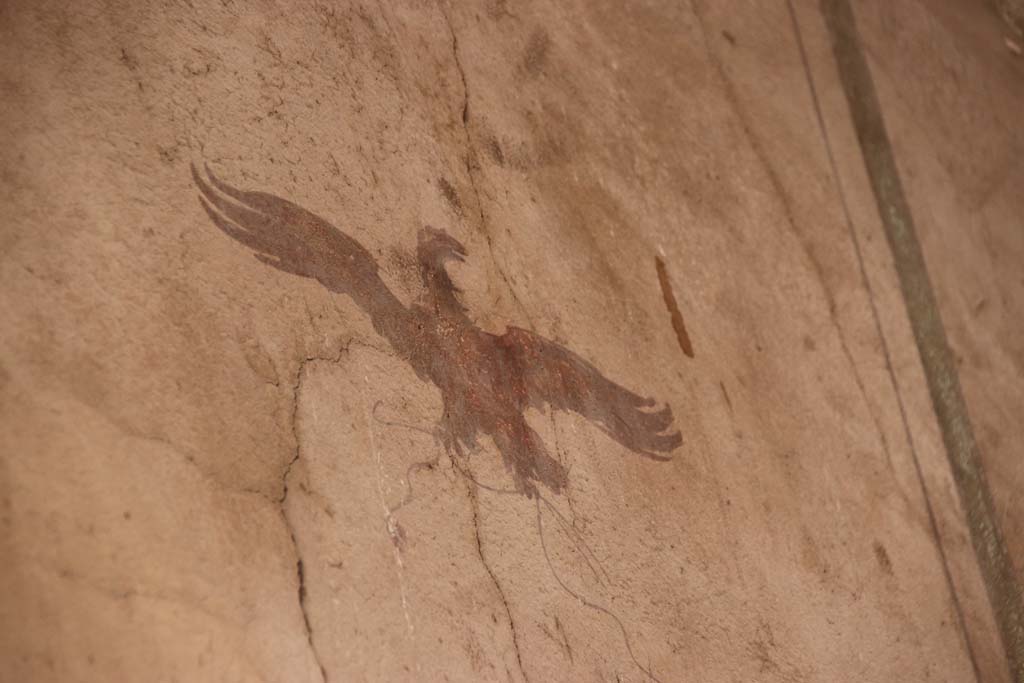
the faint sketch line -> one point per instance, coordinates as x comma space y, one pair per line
583, 601
407, 497
787, 210
883, 341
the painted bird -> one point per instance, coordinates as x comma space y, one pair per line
487, 381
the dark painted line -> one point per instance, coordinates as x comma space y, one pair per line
933, 524
673, 307
929, 334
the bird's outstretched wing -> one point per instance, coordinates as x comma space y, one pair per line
550, 373
292, 239
288, 237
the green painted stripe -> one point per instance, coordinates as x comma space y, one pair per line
929, 334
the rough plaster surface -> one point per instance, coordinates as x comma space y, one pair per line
201, 456
972, 233
1013, 12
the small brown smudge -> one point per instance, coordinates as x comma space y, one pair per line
450, 195
673, 308
882, 555
536, 53
494, 147
129, 60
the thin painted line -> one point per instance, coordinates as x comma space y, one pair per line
929, 335
886, 354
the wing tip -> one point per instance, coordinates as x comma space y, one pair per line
204, 187
651, 455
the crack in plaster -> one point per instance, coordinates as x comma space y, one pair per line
475, 504
394, 532
470, 161
282, 500
472, 164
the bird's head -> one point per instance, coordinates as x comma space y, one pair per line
436, 247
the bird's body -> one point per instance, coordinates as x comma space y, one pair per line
487, 381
